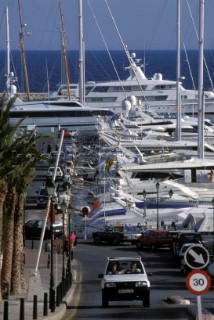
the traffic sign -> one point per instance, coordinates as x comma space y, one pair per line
196, 257
198, 282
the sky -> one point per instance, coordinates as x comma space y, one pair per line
107, 24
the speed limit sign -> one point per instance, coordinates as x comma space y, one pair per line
198, 282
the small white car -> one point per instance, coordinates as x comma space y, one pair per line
50, 173
125, 279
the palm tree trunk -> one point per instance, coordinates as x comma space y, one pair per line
3, 192
7, 244
17, 276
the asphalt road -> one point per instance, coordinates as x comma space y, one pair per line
165, 281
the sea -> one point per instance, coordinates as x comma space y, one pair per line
45, 67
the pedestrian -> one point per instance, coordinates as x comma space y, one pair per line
49, 147
72, 240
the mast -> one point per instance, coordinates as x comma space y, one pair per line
81, 55
200, 83
178, 96
10, 87
8, 51
21, 41
64, 51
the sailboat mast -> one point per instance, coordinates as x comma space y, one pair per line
178, 97
200, 83
64, 51
81, 55
21, 40
8, 50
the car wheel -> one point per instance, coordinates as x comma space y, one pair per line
146, 301
97, 240
105, 303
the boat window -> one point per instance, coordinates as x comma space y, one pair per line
100, 89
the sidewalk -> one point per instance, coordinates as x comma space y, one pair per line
14, 302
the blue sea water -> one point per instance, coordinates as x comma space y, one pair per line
47, 64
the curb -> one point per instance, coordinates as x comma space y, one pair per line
177, 300
206, 315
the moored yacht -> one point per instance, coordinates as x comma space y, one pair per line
154, 93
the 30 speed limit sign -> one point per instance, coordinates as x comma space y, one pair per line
198, 282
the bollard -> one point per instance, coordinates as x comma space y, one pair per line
22, 309
52, 300
5, 311
57, 296
35, 307
46, 247
32, 244
48, 262
45, 308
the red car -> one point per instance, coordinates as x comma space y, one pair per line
154, 239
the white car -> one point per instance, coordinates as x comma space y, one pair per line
50, 173
124, 284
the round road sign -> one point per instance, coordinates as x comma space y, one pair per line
198, 282
196, 257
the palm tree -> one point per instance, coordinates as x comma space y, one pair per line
7, 136
17, 160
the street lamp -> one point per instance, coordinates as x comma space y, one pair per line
157, 188
213, 222
51, 189
144, 196
63, 208
69, 242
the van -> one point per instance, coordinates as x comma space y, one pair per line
154, 239
179, 238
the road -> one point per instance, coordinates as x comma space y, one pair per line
165, 281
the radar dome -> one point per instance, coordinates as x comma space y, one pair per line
158, 76
13, 89
126, 105
133, 55
133, 100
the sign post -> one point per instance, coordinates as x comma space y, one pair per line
198, 282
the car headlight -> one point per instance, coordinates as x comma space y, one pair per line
110, 285
141, 284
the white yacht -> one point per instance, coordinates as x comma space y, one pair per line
154, 93
50, 116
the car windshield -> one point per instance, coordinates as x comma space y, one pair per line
124, 267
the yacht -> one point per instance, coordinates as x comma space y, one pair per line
153, 93
51, 116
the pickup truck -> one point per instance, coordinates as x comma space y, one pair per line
117, 235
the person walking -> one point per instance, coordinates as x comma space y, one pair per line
73, 242
49, 147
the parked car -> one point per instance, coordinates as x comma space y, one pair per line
42, 198
54, 155
154, 239
33, 229
120, 283
50, 173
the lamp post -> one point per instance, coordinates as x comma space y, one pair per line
51, 189
144, 196
213, 222
157, 188
69, 243
63, 208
